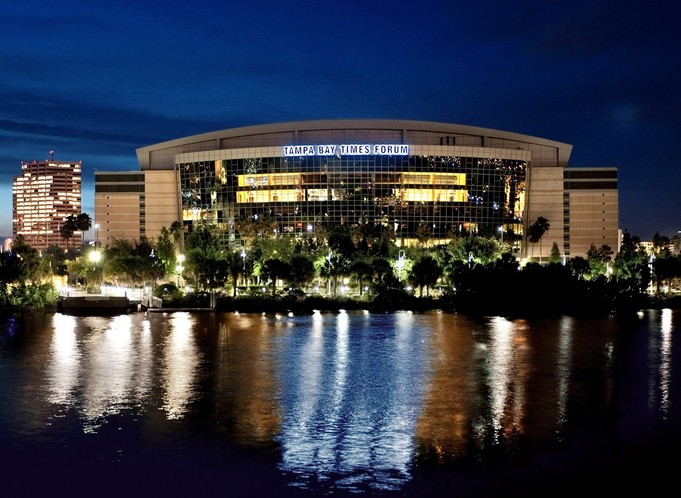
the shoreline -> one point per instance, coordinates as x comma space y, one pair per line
387, 304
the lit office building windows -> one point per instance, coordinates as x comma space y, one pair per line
43, 196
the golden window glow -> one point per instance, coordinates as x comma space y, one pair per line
443, 192
317, 194
434, 178
267, 196
264, 180
434, 195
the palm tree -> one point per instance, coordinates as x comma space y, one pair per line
425, 273
383, 271
361, 270
83, 223
235, 268
67, 228
177, 232
302, 270
537, 231
276, 269
332, 267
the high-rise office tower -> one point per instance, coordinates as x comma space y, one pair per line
43, 196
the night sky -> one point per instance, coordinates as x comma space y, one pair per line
93, 81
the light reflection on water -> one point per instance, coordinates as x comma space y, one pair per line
661, 364
350, 400
563, 367
503, 378
107, 377
64, 361
180, 364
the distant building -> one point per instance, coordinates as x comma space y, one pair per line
590, 209
413, 177
43, 196
649, 246
134, 205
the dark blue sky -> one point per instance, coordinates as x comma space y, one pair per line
93, 81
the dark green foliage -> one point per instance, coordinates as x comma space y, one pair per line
301, 270
275, 269
470, 274
165, 251
425, 273
340, 242
29, 296
205, 259
131, 263
56, 259
362, 271
11, 268
555, 256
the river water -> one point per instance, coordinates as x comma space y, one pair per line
337, 404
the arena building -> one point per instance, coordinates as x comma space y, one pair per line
421, 179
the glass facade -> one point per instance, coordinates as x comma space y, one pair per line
412, 195
421, 180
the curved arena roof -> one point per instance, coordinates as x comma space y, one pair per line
544, 152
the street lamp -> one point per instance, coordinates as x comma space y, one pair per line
501, 231
97, 235
328, 291
95, 256
243, 266
179, 267
400, 264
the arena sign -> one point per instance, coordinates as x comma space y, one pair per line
346, 150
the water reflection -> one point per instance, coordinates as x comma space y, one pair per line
563, 367
504, 381
246, 390
180, 364
98, 366
660, 357
107, 371
144, 380
350, 400
64, 361
494, 382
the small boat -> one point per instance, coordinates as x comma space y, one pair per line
94, 304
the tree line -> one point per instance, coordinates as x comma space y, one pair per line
361, 264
